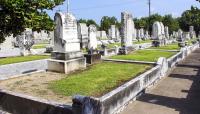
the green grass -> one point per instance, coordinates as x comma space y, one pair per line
113, 45
97, 79
39, 46
143, 41
191, 40
168, 47
11, 60
145, 55
109, 46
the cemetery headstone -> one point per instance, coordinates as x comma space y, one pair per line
93, 56
142, 34
157, 34
138, 35
147, 35
25, 41
127, 32
167, 32
83, 34
67, 56
192, 32
112, 33
180, 39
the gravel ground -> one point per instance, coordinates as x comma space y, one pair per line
36, 85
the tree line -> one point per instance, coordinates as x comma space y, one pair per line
188, 18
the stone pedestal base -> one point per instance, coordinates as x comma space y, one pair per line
92, 58
125, 50
67, 66
158, 43
67, 55
181, 44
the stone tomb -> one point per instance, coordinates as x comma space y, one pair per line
67, 56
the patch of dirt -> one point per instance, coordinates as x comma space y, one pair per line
36, 85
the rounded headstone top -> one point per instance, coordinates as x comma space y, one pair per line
92, 28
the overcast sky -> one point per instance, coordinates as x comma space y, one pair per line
95, 9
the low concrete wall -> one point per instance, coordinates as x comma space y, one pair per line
10, 52
117, 99
13, 70
21, 104
130, 61
174, 59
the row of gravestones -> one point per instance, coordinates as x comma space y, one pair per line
128, 34
67, 35
24, 42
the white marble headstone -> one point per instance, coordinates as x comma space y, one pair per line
25, 42
66, 33
167, 32
142, 33
83, 34
157, 31
113, 32
127, 29
92, 37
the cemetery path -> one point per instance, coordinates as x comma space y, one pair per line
179, 93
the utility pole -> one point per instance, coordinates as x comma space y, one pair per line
67, 6
149, 3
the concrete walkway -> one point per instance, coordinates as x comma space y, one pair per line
179, 93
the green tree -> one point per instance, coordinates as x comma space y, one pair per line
153, 18
88, 22
171, 22
190, 18
16, 15
82, 21
141, 23
106, 22
145, 22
